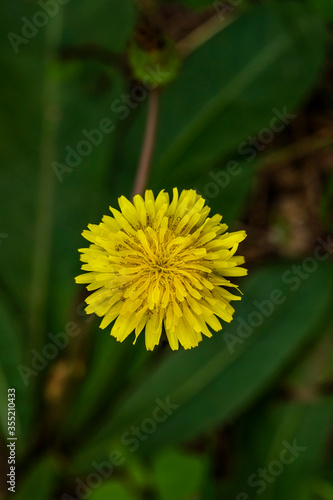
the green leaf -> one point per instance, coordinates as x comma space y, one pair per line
96, 393
11, 376
277, 316
302, 429
109, 24
112, 489
46, 105
323, 8
230, 88
323, 490
178, 475
39, 482
82, 194
20, 100
95, 390
227, 187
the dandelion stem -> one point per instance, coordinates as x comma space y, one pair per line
148, 143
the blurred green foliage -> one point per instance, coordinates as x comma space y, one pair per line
98, 419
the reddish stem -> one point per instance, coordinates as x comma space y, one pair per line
148, 143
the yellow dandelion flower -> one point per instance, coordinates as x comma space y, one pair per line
158, 264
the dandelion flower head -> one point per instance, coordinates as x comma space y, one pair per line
161, 266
